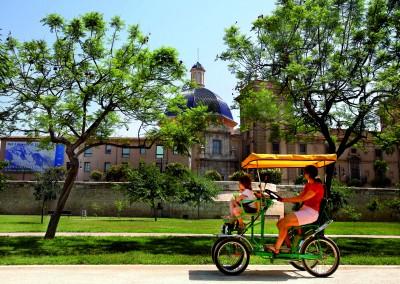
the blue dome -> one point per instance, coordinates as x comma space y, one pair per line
203, 96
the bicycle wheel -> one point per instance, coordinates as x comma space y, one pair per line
213, 248
328, 253
231, 256
298, 265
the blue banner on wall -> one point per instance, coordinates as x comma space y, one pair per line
25, 156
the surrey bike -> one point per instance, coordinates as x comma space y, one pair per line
307, 246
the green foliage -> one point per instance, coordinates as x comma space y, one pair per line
117, 173
271, 175
374, 205
96, 175
3, 164
350, 213
393, 205
333, 63
300, 180
338, 198
199, 190
120, 205
213, 175
146, 184
236, 175
48, 185
380, 168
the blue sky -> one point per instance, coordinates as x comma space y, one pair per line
184, 24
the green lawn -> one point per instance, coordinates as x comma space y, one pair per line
163, 250
11, 223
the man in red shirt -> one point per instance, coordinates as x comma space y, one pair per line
311, 197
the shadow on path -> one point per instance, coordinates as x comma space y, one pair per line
249, 275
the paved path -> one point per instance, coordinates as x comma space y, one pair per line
175, 274
77, 234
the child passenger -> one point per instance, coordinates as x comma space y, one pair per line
243, 200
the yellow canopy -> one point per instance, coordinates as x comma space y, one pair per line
260, 161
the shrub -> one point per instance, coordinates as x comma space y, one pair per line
117, 173
374, 205
300, 180
354, 182
96, 175
236, 175
350, 213
3, 164
393, 205
380, 180
213, 175
338, 198
271, 175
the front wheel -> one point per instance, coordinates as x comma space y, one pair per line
231, 256
328, 256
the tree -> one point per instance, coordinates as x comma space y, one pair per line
213, 175
199, 190
332, 61
117, 173
47, 186
146, 184
87, 83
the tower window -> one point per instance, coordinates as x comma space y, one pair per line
126, 152
108, 149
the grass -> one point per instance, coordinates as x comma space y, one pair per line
163, 250
31, 223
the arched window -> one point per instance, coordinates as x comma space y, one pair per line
354, 163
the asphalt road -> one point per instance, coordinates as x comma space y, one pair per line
176, 274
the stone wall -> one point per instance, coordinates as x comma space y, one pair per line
99, 198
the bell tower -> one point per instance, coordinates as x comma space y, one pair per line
197, 74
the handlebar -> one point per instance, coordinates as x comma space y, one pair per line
272, 194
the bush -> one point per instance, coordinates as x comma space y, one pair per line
339, 196
271, 175
213, 175
393, 205
117, 173
300, 180
374, 205
96, 175
380, 180
350, 213
236, 175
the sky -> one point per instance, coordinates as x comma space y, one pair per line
187, 25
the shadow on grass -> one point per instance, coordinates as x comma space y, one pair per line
190, 246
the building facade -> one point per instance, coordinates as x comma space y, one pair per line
223, 149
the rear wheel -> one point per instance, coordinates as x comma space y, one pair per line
231, 256
328, 256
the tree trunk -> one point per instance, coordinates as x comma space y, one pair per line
329, 176
153, 205
198, 210
41, 221
68, 184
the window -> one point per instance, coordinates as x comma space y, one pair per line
159, 152
217, 147
303, 148
107, 166
86, 167
142, 151
378, 154
275, 148
126, 152
353, 150
88, 152
108, 149
354, 167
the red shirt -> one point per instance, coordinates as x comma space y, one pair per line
315, 201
